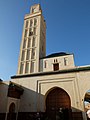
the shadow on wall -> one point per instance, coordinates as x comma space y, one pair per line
3, 99
32, 105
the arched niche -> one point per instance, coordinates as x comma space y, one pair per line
12, 108
11, 115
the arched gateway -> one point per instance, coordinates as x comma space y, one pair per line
58, 105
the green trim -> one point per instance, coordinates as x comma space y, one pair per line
77, 69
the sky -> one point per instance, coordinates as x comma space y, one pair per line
68, 30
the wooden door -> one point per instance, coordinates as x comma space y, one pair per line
58, 105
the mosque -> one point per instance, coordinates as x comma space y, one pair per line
45, 87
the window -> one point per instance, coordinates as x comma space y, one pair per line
23, 55
30, 31
33, 54
32, 67
33, 42
45, 64
35, 31
27, 67
35, 22
24, 44
26, 25
25, 35
65, 61
28, 55
55, 60
56, 66
33, 10
29, 42
31, 23
21, 68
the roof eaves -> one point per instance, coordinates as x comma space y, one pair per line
76, 69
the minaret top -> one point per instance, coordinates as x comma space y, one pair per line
35, 8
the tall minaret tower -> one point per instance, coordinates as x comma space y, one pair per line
33, 44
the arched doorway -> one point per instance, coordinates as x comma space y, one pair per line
11, 114
58, 105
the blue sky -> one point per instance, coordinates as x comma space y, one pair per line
68, 30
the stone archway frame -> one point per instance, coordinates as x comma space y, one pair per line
66, 83
56, 88
50, 89
58, 99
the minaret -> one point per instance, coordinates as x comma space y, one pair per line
33, 44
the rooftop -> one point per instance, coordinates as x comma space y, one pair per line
57, 54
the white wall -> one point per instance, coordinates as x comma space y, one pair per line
60, 60
35, 89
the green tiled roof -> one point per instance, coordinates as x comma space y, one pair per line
57, 54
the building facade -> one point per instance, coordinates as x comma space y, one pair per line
45, 87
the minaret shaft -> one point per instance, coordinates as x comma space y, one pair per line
33, 44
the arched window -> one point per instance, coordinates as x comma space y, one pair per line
26, 25
45, 64
12, 108
65, 61
35, 22
31, 23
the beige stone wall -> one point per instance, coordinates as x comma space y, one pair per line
36, 89
84, 85
60, 60
3, 96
